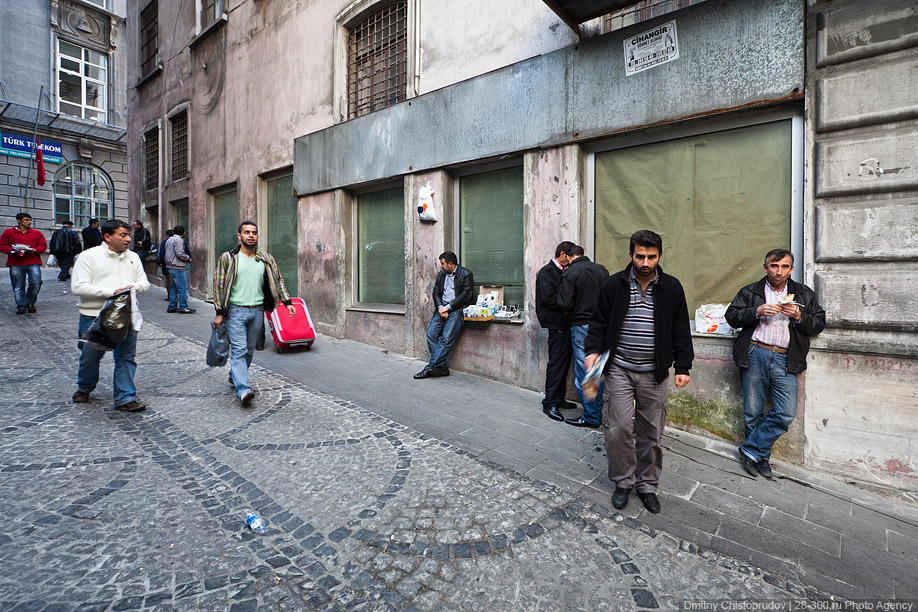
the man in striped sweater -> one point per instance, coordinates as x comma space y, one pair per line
641, 318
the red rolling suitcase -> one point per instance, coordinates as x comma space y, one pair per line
292, 332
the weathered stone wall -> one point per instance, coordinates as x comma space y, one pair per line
861, 398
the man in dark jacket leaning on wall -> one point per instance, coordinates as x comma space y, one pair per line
776, 317
451, 294
552, 318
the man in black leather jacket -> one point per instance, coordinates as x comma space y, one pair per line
553, 319
452, 292
776, 317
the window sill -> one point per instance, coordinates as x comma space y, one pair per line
149, 77
216, 25
396, 309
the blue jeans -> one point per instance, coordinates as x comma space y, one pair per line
591, 410
178, 290
123, 390
767, 375
244, 324
441, 336
26, 282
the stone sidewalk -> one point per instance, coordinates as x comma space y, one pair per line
383, 493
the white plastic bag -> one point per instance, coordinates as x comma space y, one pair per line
426, 210
709, 319
136, 317
52, 261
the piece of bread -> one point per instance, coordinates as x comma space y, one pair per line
787, 299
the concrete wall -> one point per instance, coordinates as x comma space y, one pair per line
267, 76
862, 403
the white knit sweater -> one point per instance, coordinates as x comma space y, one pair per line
99, 272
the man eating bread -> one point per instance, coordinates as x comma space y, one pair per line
776, 317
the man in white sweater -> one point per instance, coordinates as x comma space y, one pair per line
101, 272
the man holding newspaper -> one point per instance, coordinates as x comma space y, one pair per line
641, 319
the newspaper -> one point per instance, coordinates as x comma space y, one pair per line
593, 378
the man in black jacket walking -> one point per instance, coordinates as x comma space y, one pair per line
552, 318
92, 236
577, 295
451, 294
776, 317
642, 320
64, 245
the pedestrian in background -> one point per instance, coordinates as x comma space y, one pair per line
641, 318
577, 297
246, 284
101, 272
92, 237
141, 241
552, 318
161, 260
776, 317
452, 292
65, 244
176, 261
23, 247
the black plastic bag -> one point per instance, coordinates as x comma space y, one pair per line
112, 325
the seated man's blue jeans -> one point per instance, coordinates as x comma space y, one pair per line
441, 336
26, 282
591, 410
766, 376
123, 390
178, 290
244, 324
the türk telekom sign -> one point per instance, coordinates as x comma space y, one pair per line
651, 48
15, 145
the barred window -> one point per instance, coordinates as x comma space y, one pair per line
378, 61
642, 11
151, 159
179, 146
149, 38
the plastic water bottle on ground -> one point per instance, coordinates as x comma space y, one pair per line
255, 522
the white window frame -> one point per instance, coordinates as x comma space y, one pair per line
220, 10
80, 74
91, 189
677, 132
349, 18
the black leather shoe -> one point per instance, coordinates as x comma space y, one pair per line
580, 422
750, 466
425, 373
764, 468
651, 502
568, 406
620, 497
438, 371
171, 309
552, 413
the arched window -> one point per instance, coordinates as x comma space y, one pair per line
82, 192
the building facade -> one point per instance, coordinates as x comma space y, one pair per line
62, 81
729, 128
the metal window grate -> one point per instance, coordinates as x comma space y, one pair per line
378, 61
151, 159
180, 146
149, 38
642, 11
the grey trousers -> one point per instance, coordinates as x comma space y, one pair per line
633, 417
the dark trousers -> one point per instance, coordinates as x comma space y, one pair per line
559, 363
65, 262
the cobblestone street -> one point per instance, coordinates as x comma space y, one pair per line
111, 511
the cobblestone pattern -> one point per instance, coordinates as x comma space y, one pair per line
112, 511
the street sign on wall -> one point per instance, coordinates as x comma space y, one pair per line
15, 145
651, 48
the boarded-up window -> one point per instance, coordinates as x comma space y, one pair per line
381, 247
179, 145
720, 202
377, 65
491, 222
